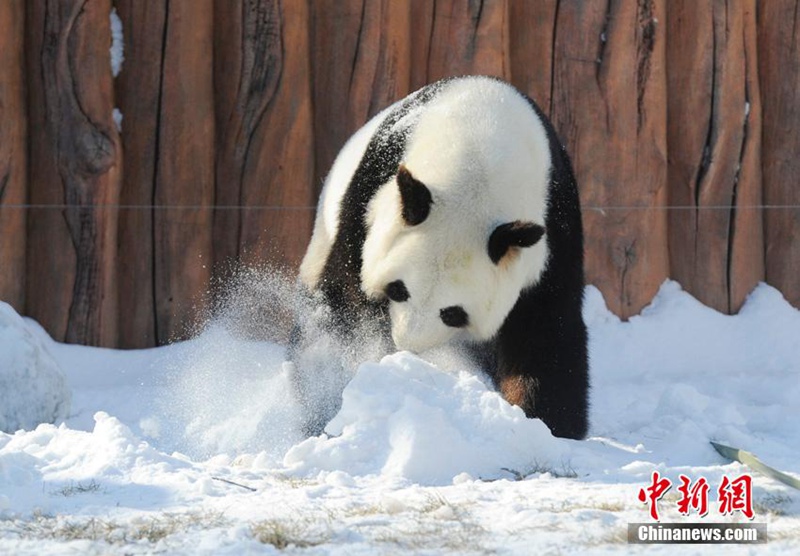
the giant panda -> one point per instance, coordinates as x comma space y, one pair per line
452, 217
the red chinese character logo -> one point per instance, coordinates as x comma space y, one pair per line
694, 498
736, 495
653, 493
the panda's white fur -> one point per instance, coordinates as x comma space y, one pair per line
484, 167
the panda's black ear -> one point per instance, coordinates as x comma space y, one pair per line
416, 198
513, 234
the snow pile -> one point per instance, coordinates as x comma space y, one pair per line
406, 418
60, 457
681, 374
33, 388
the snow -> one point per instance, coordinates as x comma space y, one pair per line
33, 388
194, 448
384, 408
116, 115
117, 43
117, 54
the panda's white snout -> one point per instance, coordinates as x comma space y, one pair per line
420, 331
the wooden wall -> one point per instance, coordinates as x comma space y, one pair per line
681, 117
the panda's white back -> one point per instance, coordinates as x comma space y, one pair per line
478, 131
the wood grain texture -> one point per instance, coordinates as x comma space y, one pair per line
13, 153
184, 183
79, 97
779, 74
531, 28
278, 169
82, 141
609, 106
264, 129
714, 249
747, 257
466, 37
50, 265
360, 62
139, 94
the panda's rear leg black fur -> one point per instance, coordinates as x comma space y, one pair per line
542, 361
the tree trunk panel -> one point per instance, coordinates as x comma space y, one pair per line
532, 28
277, 167
713, 157
779, 71
13, 153
609, 105
747, 241
469, 37
50, 266
184, 169
79, 97
138, 91
238, 106
360, 59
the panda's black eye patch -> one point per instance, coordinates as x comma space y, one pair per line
396, 291
455, 316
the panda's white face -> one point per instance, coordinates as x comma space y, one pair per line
452, 272
457, 235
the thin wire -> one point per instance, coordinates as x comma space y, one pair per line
63, 206
57, 206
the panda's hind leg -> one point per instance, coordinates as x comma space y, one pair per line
542, 362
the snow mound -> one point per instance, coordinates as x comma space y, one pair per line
33, 388
407, 418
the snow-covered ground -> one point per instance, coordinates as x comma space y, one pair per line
194, 448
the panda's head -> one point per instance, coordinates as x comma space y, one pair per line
458, 232
447, 271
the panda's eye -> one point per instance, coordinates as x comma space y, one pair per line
455, 316
396, 291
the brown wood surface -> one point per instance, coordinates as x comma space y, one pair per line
714, 163
779, 73
609, 106
466, 37
79, 100
532, 27
13, 154
264, 130
50, 267
138, 89
278, 170
746, 267
184, 182
680, 118
360, 62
